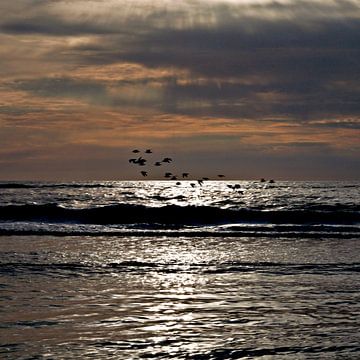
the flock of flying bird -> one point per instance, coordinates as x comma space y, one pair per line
140, 161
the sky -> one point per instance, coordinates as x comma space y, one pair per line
248, 88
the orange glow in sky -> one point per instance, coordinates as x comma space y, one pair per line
246, 86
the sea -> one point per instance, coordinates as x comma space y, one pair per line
180, 270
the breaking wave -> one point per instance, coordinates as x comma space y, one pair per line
178, 215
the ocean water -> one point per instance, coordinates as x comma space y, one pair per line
151, 269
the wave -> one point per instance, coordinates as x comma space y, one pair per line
178, 215
182, 234
204, 267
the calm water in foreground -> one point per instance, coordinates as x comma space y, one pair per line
151, 270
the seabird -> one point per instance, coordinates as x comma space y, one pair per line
132, 161
144, 173
205, 178
178, 183
168, 174
167, 160
141, 161
158, 163
200, 182
173, 177
148, 151
135, 151
185, 175
221, 175
192, 185
262, 180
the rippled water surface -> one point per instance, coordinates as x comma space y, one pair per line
219, 270
183, 298
170, 208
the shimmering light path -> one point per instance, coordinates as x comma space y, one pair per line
199, 298
157, 270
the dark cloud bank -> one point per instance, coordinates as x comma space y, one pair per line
309, 52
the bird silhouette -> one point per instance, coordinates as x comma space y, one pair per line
178, 183
140, 161
262, 180
235, 187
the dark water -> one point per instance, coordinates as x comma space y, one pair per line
164, 208
152, 270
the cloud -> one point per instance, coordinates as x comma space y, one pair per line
63, 17
350, 123
269, 77
237, 55
103, 93
211, 98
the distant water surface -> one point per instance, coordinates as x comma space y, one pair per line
133, 270
295, 208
